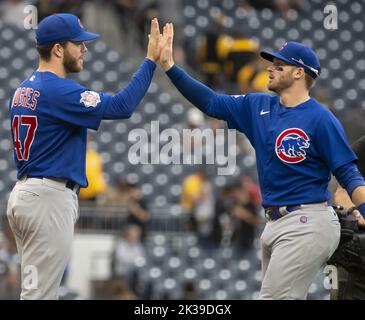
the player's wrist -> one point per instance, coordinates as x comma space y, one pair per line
151, 58
168, 65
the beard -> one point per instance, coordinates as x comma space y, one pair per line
71, 64
282, 84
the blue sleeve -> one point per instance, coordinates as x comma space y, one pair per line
332, 143
236, 110
359, 148
123, 104
74, 104
80, 106
349, 177
196, 92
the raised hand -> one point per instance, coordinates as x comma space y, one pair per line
153, 48
166, 56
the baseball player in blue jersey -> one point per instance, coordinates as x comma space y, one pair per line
298, 143
50, 116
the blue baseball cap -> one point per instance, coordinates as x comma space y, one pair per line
298, 55
62, 27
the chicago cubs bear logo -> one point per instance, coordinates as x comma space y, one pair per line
290, 145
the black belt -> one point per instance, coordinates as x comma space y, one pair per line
72, 185
69, 183
275, 213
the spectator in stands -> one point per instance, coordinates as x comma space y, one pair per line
118, 194
236, 215
129, 196
208, 53
222, 226
127, 249
241, 52
253, 76
253, 190
137, 209
244, 218
197, 200
94, 173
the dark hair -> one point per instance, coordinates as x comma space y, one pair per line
308, 81
46, 49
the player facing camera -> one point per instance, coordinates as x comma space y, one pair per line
50, 117
298, 144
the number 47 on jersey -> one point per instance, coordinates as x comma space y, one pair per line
32, 123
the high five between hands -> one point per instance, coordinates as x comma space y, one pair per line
160, 45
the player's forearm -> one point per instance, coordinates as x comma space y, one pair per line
124, 103
349, 177
358, 196
196, 92
341, 198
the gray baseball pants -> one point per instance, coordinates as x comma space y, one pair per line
42, 214
294, 248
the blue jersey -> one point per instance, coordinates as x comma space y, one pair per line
50, 116
296, 148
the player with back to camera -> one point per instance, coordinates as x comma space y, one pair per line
50, 116
298, 143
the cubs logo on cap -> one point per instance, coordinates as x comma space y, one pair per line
290, 145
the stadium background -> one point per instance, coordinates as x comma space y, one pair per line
217, 42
